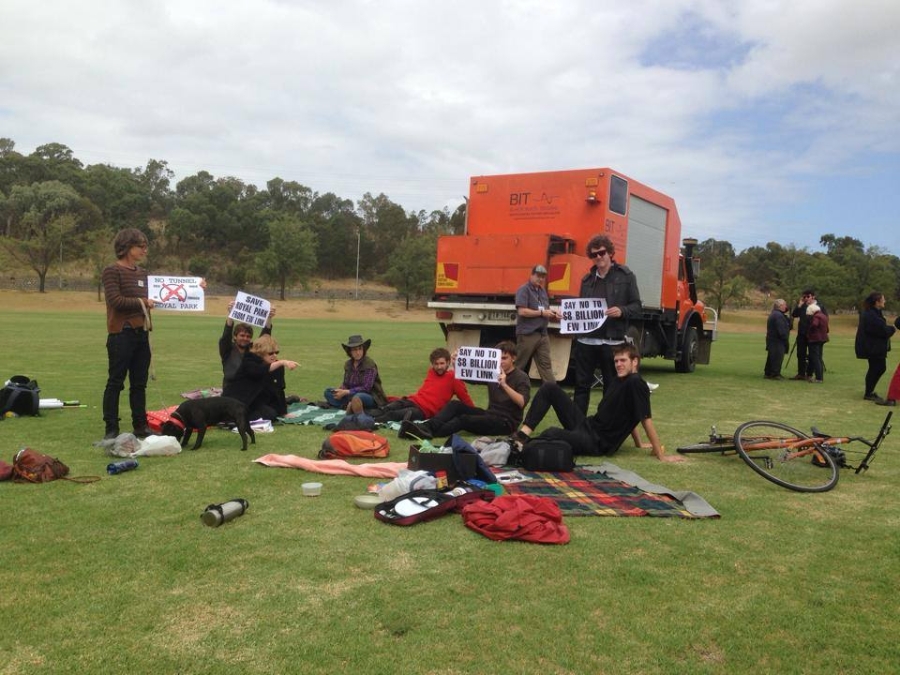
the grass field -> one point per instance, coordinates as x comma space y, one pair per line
120, 576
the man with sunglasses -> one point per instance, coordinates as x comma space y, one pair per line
618, 285
804, 367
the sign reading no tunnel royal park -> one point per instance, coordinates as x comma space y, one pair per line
478, 364
182, 294
250, 310
582, 315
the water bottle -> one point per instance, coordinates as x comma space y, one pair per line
120, 467
217, 514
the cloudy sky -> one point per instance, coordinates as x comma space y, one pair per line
765, 120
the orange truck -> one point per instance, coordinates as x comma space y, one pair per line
516, 221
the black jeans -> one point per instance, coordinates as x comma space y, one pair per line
576, 429
877, 366
587, 359
129, 354
457, 416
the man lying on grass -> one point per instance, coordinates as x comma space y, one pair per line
623, 407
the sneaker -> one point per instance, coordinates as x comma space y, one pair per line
412, 431
890, 402
873, 397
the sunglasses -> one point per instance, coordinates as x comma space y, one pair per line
273, 353
598, 254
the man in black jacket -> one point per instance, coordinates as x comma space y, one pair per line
778, 329
606, 279
807, 298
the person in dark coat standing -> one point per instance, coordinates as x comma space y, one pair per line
606, 279
778, 329
873, 342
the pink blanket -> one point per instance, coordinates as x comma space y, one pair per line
333, 466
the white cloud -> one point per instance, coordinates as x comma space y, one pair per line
734, 108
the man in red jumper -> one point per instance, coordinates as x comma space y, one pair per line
439, 387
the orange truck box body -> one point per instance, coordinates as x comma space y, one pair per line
516, 221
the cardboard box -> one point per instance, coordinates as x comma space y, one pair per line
442, 461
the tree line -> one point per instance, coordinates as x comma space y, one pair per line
54, 210
842, 274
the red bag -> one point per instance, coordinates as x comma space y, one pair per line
5, 470
354, 444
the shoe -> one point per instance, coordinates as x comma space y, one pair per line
812, 381
799, 377
143, 431
293, 398
111, 434
325, 405
413, 431
890, 402
873, 397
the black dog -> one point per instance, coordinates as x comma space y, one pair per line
203, 412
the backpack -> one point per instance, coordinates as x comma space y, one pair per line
356, 422
20, 395
354, 444
30, 466
543, 454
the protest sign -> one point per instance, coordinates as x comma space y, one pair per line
182, 294
582, 315
478, 364
250, 310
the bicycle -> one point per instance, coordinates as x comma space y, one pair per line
789, 457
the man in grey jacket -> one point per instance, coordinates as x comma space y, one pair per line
606, 279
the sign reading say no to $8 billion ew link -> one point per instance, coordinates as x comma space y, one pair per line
582, 315
478, 364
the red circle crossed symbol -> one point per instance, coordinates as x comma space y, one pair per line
172, 292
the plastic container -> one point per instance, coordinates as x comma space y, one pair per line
311, 489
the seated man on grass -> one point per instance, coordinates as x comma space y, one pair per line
625, 405
437, 390
507, 399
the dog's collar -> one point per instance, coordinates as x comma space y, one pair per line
177, 421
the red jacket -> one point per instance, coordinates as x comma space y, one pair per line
818, 328
437, 390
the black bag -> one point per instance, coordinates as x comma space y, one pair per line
544, 454
21, 395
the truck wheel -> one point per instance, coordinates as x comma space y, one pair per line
688, 360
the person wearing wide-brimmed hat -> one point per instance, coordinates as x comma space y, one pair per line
361, 387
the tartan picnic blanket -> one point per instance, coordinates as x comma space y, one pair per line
609, 491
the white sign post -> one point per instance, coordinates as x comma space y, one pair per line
582, 315
250, 310
181, 294
477, 364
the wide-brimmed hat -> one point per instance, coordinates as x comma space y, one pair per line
356, 341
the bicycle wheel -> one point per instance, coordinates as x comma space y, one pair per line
723, 445
767, 448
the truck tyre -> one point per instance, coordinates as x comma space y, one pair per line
688, 360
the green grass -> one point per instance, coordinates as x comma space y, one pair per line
120, 575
